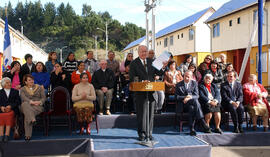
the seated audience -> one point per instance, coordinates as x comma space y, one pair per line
232, 98
70, 64
59, 77
103, 81
196, 74
216, 73
15, 75
41, 77
129, 58
205, 65
75, 76
83, 95
210, 101
10, 101
128, 95
255, 96
187, 96
229, 68
52, 59
171, 78
222, 63
28, 67
33, 98
184, 66
91, 64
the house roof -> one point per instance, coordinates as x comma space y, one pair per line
182, 23
134, 43
231, 7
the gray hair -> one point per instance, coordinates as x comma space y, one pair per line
189, 71
208, 76
253, 76
3, 82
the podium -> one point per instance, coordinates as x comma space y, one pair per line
147, 87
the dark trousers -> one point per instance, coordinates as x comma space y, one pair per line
142, 102
237, 114
195, 111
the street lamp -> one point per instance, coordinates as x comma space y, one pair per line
61, 53
96, 42
106, 33
21, 25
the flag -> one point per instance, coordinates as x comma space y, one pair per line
7, 48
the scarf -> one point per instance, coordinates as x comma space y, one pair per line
31, 91
208, 87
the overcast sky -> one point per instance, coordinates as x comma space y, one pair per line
167, 11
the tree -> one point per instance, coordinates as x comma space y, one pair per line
49, 14
86, 10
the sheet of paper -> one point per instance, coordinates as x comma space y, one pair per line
158, 62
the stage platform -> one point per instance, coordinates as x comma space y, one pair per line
117, 137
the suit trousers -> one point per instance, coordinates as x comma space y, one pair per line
142, 103
195, 111
100, 98
237, 114
30, 112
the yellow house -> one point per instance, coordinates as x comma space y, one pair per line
188, 36
20, 45
231, 26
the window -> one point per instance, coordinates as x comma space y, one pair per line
216, 31
178, 36
182, 35
238, 20
230, 23
264, 62
255, 15
171, 40
131, 51
165, 42
191, 34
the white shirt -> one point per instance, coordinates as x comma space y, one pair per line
7, 92
30, 66
144, 60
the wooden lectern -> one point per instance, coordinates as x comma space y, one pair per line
146, 86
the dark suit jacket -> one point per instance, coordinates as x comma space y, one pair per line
137, 70
103, 79
25, 70
181, 92
13, 100
227, 93
203, 92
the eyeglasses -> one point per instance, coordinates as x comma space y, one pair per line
208, 58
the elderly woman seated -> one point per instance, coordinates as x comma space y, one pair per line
9, 101
255, 96
83, 95
33, 98
210, 100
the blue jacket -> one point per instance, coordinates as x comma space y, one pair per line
50, 66
42, 78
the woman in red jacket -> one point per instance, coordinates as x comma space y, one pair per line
75, 76
255, 96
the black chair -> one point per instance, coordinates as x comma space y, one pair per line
170, 101
60, 105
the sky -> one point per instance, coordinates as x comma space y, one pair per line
167, 11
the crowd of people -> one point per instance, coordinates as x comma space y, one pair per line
202, 91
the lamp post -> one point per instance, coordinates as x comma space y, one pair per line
106, 34
21, 25
61, 53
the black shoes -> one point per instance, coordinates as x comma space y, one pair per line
192, 132
218, 130
241, 130
141, 138
27, 138
4, 138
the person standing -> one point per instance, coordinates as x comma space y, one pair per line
187, 95
52, 59
184, 66
29, 66
142, 69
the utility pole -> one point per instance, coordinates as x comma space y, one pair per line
149, 7
96, 54
21, 25
153, 26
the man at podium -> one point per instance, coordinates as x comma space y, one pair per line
141, 70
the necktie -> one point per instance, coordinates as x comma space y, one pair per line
144, 64
233, 94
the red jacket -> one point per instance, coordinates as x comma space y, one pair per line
251, 97
75, 77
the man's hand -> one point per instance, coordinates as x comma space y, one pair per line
187, 98
3, 109
165, 64
104, 89
157, 77
235, 104
63, 76
8, 108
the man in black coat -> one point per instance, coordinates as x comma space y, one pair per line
29, 66
142, 69
103, 81
187, 95
232, 98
